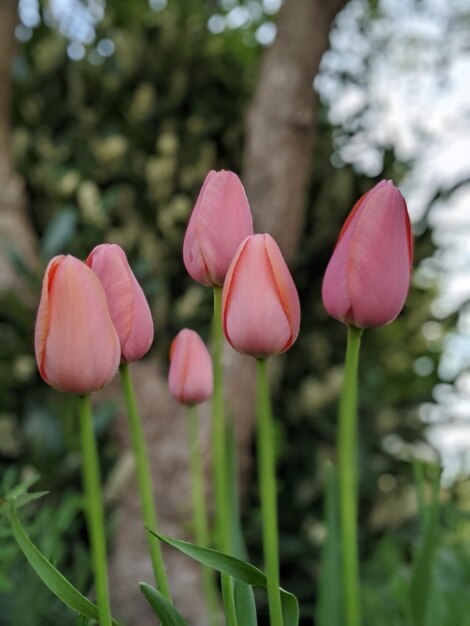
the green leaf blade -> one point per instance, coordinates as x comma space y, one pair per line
167, 613
245, 606
329, 611
22, 487
421, 586
240, 570
51, 577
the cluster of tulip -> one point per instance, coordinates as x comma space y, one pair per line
93, 319
92, 316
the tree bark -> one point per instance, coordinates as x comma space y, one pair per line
281, 121
279, 146
16, 235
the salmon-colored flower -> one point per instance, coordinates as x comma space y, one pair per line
128, 306
368, 276
77, 347
260, 305
190, 377
221, 219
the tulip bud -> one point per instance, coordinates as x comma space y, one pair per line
190, 377
368, 276
77, 347
128, 306
260, 305
221, 219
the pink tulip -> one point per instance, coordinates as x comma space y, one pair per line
77, 347
190, 377
220, 221
368, 276
128, 306
260, 305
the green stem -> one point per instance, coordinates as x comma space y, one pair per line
201, 525
144, 478
268, 493
222, 505
94, 509
348, 479
218, 430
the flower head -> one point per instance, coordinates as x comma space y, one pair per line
260, 305
77, 347
221, 219
368, 276
190, 376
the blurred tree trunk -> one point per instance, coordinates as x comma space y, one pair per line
279, 145
16, 234
281, 121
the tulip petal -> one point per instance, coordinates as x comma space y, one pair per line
286, 288
192, 252
141, 336
380, 256
335, 289
127, 303
44, 314
225, 222
111, 268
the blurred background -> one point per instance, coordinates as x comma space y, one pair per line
111, 114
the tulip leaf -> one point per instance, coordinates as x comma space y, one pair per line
22, 488
418, 471
21, 500
421, 586
167, 613
18, 495
51, 577
237, 569
245, 607
329, 602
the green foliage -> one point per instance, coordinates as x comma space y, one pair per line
388, 576
163, 608
329, 609
52, 526
238, 569
421, 587
17, 496
49, 575
245, 607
